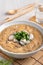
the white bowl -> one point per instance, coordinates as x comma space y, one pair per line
20, 55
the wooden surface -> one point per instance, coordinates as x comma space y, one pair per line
36, 59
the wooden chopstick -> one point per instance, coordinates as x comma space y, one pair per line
12, 12
21, 12
25, 7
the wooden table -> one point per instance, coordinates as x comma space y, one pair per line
36, 59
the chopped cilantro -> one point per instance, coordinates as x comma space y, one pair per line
21, 35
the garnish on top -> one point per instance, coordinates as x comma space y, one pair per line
23, 37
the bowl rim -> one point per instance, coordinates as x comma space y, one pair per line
20, 53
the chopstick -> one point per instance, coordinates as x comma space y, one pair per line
12, 12
21, 12
28, 6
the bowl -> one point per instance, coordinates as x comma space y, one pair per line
21, 55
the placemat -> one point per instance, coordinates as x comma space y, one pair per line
36, 59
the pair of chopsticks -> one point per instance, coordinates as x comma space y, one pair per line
21, 11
